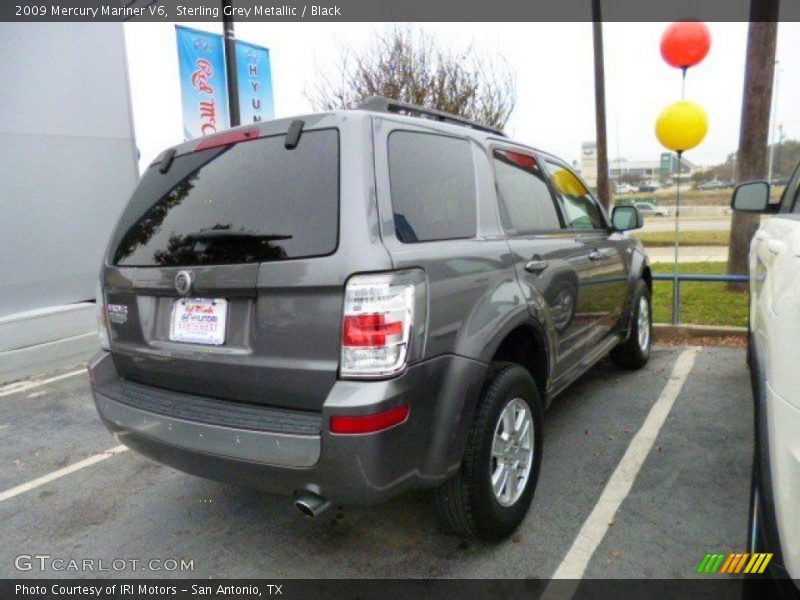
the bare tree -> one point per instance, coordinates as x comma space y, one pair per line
411, 66
751, 162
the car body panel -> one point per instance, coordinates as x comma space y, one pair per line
284, 317
775, 331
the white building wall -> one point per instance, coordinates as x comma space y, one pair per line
67, 158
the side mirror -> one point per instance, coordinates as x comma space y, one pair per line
625, 218
752, 197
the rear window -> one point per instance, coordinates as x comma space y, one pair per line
249, 202
433, 187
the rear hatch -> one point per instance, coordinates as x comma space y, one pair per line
222, 279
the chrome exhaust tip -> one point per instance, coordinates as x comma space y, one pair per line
311, 505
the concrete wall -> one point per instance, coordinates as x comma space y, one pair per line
67, 158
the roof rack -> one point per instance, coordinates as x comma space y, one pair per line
381, 104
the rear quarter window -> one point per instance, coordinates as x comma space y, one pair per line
432, 180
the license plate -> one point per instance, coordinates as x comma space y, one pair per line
199, 321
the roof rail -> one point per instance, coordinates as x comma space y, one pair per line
381, 104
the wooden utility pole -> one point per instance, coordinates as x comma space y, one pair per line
751, 161
603, 189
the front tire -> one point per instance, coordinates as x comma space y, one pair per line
490, 495
635, 351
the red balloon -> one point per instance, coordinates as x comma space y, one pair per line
685, 43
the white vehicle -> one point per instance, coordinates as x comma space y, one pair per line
772, 355
624, 188
648, 208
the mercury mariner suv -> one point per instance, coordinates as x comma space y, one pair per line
349, 305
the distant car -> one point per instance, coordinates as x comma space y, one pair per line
774, 333
712, 185
647, 208
649, 186
624, 188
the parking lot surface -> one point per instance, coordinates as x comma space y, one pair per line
689, 494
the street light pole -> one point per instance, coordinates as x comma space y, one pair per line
774, 122
230, 62
603, 189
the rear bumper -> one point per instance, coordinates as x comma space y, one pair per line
287, 450
350, 469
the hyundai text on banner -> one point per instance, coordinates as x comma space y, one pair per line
255, 83
201, 64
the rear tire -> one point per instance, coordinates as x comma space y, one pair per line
468, 504
633, 353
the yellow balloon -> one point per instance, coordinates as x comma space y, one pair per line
682, 126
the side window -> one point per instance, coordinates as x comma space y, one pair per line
796, 206
526, 203
432, 180
791, 197
580, 210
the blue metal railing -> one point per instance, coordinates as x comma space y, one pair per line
676, 305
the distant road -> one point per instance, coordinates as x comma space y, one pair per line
689, 254
719, 223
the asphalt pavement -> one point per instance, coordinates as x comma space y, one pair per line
687, 495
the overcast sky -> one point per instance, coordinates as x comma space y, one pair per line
553, 67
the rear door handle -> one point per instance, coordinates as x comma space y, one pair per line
536, 266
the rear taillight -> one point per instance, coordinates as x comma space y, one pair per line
384, 323
102, 320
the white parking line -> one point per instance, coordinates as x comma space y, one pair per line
22, 386
596, 525
87, 462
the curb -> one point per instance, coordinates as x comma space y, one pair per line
46, 339
45, 358
663, 332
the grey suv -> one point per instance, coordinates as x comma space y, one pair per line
345, 306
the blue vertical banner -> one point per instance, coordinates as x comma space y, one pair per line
204, 88
204, 93
254, 77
